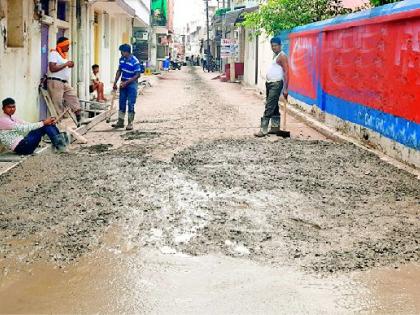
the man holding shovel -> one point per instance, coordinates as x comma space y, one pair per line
129, 71
277, 81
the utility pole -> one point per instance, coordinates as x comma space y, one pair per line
208, 35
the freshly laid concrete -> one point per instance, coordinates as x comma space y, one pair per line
189, 213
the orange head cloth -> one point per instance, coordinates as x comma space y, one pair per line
60, 46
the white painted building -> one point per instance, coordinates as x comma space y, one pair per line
29, 30
257, 51
111, 24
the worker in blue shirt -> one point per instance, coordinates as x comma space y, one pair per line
129, 71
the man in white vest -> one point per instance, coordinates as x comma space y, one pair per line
277, 81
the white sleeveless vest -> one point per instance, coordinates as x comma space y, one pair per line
275, 72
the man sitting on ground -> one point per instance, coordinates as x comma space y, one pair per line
96, 84
23, 137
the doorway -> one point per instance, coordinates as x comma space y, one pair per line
43, 111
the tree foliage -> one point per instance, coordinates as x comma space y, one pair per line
277, 15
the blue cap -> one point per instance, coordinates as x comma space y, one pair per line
126, 48
275, 40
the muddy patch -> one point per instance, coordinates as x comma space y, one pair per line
138, 135
153, 121
56, 207
325, 207
330, 207
97, 148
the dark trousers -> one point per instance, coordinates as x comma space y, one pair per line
28, 144
272, 92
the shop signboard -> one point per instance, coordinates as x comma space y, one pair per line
229, 48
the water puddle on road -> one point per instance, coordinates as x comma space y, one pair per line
393, 291
147, 281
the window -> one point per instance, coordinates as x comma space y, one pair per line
45, 4
161, 52
15, 23
62, 10
162, 46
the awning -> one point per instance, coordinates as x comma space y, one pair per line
114, 7
241, 17
236, 16
232, 16
126, 7
139, 12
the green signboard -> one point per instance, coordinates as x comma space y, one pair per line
159, 12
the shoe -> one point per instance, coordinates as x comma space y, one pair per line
264, 128
59, 142
275, 125
78, 119
120, 122
130, 121
66, 138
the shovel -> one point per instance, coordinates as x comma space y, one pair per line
114, 96
283, 132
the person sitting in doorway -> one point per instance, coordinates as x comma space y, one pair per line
23, 137
96, 84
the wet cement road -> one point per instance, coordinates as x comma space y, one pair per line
190, 214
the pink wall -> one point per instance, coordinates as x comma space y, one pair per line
363, 68
354, 3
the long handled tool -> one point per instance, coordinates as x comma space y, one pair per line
283, 132
111, 109
73, 133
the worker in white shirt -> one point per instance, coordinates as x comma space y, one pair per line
59, 73
276, 83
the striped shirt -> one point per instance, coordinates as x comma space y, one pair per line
129, 67
13, 130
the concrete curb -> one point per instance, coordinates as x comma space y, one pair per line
340, 137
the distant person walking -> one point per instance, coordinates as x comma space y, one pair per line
277, 81
129, 70
204, 62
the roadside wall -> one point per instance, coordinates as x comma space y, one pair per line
361, 74
20, 68
250, 56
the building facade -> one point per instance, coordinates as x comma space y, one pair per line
29, 30
161, 32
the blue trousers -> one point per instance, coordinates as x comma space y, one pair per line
128, 95
28, 144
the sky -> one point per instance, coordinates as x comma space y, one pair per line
186, 11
